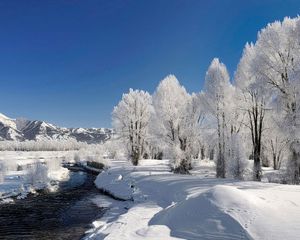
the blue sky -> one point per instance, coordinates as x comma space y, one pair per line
68, 62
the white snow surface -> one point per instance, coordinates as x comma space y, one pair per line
197, 206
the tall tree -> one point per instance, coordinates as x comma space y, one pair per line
278, 65
253, 100
131, 121
217, 92
173, 116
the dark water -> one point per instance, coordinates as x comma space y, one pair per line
66, 214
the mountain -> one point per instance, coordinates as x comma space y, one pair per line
90, 134
8, 129
21, 129
38, 130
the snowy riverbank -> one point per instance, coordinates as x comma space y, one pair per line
26, 172
162, 205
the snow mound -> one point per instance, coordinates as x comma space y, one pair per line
257, 214
199, 218
132, 226
115, 184
196, 206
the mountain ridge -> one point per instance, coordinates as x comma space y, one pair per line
21, 130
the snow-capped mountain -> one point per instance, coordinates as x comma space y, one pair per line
90, 134
8, 129
37, 130
20, 129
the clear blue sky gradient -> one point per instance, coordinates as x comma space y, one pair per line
68, 62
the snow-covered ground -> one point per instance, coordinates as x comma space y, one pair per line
162, 205
20, 176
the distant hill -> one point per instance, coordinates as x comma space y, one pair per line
21, 130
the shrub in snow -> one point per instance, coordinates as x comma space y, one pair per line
77, 157
37, 173
54, 164
94, 153
114, 148
178, 157
279, 176
68, 157
2, 171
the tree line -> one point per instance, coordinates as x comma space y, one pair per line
253, 115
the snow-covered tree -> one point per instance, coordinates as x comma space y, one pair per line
278, 66
131, 120
174, 121
261, 109
253, 101
217, 95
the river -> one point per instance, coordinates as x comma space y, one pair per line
64, 214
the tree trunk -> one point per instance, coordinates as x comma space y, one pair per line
295, 162
256, 117
294, 145
257, 166
220, 168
